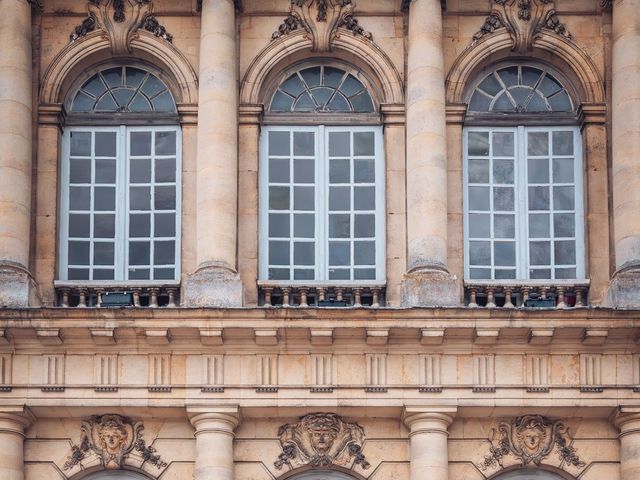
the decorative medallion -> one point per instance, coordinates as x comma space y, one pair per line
112, 438
321, 440
322, 20
531, 438
524, 20
120, 20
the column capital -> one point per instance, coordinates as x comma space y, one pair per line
222, 419
15, 419
428, 419
627, 420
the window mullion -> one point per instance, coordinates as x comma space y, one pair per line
122, 210
522, 211
321, 210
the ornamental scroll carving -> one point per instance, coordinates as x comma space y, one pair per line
524, 20
120, 20
112, 438
321, 440
531, 438
322, 20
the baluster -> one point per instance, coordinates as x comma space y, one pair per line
286, 292
82, 294
473, 298
357, 297
172, 297
525, 296
579, 297
560, 300
339, 294
65, 297
491, 298
267, 296
304, 292
99, 293
153, 298
507, 298
543, 293
136, 297
322, 294
375, 301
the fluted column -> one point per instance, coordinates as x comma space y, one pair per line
214, 442
12, 426
15, 151
428, 435
216, 281
625, 103
428, 281
629, 425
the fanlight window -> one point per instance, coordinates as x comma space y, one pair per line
520, 89
322, 89
123, 89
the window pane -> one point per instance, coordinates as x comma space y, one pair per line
279, 170
478, 171
105, 198
339, 144
539, 253
139, 253
165, 170
364, 253
140, 198
364, 143
304, 253
538, 143
304, 225
140, 170
103, 274
364, 171
503, 199
303, 274
480, 273
164, 252
303, 198
279, 225
140, 143
364, 226
79, 225
103, 253
165, 198
164, 224
563, 198
278, 253
80, 144
540, 274
339, 274
164, 103
80, 170
339, 198
564, 225
566, 273
364, 274
106, 171
504, 253
563, 170
339, 171
479, 198
538, 170
479, 225
279, 143
538, 198
165, 143
278, 274
562, 143
139, 274
505, 274
564, 252
503, 171
480, 253
164, 273
478, 143
279, 198
303, 143
104, 226
539, 226
140, 225
105, 144
339, 253
78, 274
79, 253
364, 198
504, 226
80, 198
340, 226
303, 171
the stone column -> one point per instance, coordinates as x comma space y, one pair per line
16, 147
12, 427
428, 436
625, 103
214, 442
216, 281
427, 281
629, 424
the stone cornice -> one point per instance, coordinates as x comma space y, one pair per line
237, 4
407, 3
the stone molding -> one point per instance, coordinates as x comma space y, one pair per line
214, 419
15, 419
321, 440
429, 419
627, 420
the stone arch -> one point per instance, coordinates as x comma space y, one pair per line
555, 49
296, 46
542, 472
95, 48
334, 472
101, 474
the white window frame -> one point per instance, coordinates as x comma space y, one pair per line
521, 198
121, 247
322, 205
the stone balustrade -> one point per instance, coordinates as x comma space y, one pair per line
277, 294
133, 294
526, 293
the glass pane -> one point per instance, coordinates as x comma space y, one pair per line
82, 103
539, 253
479, 225
479, 198
303, 274
364, 198
519, 95
279, 198
562, 143
563, 170
94, 86
503, 103
339, 198
530, 76
103, 274
339, 274
480, 273
279, 253
564, 225
140, 143
140, 198
164, 273
339, 171
113, 77
104, 226
105, 144
105, 199
563, 198
278, 274
78, 253
339, 144
504, 254
140, 225
165, 198
103, 253
281, 102
538, 198
340, 226
540, 274
303, 198
333, 76
78, 274
106, 171
538, 170
339, 253
478, 143
351, 86
364, 226
364, 253
560, 102
566, 273
164, 103
153, 86
564, 252
140, 104
139, 253
304, 225
293, 85
79, 225
505, 274
134, 77
364, 171
303, 171
478, 171
549, 85
364, 274
479, 102
80, 198
539, 226
509, 76
165, 170
364, 143
311, 76
538, 143
123, 96
164, 252
503, 144
140, 170
165, 143
304, 253
490, 85
503, 199
304, 143
504, 226
80, 170
480, 253
279, 143
279, 170
304, 103
80, 144
322, 95
164, 224
106, 104
278, 225
139, 274
503, 171
339, 104
362, 102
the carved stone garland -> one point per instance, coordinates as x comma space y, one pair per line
321, 440
112, 438
322, 20
531, 438
524, 20
120, 19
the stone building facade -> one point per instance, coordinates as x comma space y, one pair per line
319, 239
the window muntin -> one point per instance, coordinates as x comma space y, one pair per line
520, 89
523, 203
123, 90
120, 204
321, 89
322, 204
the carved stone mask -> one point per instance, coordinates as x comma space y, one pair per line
112, 437
532, 437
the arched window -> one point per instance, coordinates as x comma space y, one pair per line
523, 177
529, 474
116, 475
322, 179
120, 201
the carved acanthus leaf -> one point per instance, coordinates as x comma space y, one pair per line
89, 24
524, 20
322, 20
321, 440
530, 438
112, 438
151, 24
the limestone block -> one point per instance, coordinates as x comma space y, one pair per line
17, 288
134, 369
596, 471
42, 471
565, 369
624, 290
433, 288
464, 471
388, 471
250, 471
78, 369
213, 287
180, 471
509, 369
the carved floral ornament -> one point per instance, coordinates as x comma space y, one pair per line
524, 20
531, 438
321, 440
112, 438
120, 20
322, 20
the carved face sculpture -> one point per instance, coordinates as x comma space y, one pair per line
322, 431
322, 440
532, 436
112, 437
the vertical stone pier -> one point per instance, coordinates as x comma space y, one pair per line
13, 423
216, 282
427, 281
624, 290
214, 442
628, 421
16, 284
